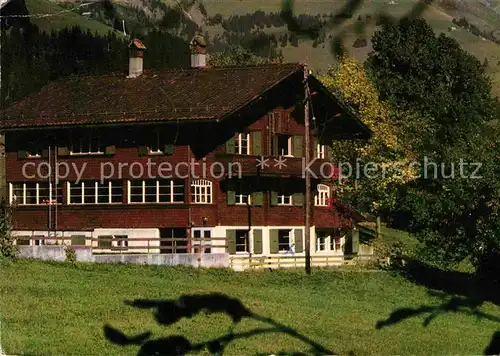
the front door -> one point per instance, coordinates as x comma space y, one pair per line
201, 237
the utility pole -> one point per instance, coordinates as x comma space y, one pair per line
308, 178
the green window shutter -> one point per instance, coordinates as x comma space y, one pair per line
110, 150
355, 240
231, 241
274, 147
329, 152
62, 151
231, 197
257, 198
143, 151
299, 242
45, 153
297, 146
273, 241
168, 150
22, 154
298, 199
257, 241
274, 198
315, 148
256, 143
231, 146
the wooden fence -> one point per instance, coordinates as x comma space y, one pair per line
131, 245
275, 262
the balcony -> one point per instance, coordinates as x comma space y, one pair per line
284, 166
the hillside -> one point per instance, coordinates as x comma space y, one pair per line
246, 22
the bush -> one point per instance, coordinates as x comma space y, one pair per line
70, 254
8, 249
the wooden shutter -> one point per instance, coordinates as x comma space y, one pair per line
168, 149
231, 197
231, 241
297, 146
143, 151
299, 243
62, 151
45, 153
273, 241
110, 150
256, 138
274, 146
257, 241
274, 198
231, 146
355, 240
257, 198
22, 154
298, 199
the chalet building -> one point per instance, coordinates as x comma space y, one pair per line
198, 152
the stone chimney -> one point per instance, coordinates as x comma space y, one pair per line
198, 47
135, 64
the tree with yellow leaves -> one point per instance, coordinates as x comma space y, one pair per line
386, 151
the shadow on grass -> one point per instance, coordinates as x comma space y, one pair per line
168, 312
459, 292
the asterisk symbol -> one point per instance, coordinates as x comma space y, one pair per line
262, 162
280, 162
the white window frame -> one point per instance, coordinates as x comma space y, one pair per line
291, 241
121, 244
327, 243
86, 140
22, 201
159, 149
289, 144
322, 195
201, 191
157, 184
96, 195
238, 146
320, 151
282, 199
248, 246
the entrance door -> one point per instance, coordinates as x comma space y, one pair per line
201, 236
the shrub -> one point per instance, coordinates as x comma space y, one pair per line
8, 249
70, 254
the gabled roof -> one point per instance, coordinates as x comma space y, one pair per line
172, 94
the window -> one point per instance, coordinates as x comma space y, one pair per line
242, 241
93, 192
285, 239
201, 192
322, 195
284, 199
320, 151
282, 145
34, 193
89, 143
156, 146
121, 241
156, 191
328, 240
104, 241
242, 144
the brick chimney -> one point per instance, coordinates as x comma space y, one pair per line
198, 47
135, 64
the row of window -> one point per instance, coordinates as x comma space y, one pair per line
146, 191
241, 144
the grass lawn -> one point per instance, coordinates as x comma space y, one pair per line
60, 309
